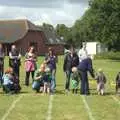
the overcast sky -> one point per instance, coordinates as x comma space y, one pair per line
48, 11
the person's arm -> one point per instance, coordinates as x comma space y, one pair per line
2, 55
19, 56
105, 79
64, 64
27, 57
117, 77
37, 76
56, 59
77, 60
12, 57
90, 68
47, 59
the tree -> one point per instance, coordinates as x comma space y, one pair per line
101, 23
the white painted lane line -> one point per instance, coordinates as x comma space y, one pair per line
50, 105
11, 107
115, 99
87, 108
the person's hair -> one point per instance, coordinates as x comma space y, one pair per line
9, 70
51, 49
1, 44
30, 49
42, 66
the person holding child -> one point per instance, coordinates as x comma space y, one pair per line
71, 60
101, 80
30, 64
84, 66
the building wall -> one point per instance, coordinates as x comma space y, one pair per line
38, 38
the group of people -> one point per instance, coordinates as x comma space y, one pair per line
9, 78
76, 67
42, 77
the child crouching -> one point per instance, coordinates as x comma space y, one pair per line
38, 82
7, 81
10, 82
101, 81
75, 80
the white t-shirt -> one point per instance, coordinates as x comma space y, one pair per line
83, 54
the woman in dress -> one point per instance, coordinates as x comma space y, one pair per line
30, 64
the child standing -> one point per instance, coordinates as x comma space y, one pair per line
75, 79
101, 81
47, 80
117, 82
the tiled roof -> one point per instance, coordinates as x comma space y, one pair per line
51, 36
13, 30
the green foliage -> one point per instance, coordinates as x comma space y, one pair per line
101, 22
108, 55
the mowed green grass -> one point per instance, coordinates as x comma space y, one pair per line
34, 106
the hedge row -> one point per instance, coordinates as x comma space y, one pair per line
108, 55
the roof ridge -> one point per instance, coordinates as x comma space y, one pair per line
26, 24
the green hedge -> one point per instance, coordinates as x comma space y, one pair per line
108, 55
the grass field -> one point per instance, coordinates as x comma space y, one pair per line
31, 106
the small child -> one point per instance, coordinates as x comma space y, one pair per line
38, 79
117, 82
8, 85
101, 81
75, 79
47, 80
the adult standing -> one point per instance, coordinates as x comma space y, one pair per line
84, 66
30, 64
51, 60
1, 62
71, 60
14, 60
83, 53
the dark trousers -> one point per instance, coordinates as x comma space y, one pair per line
8, 88
28, 76
67, 85
16, 70
84, 89
1, 73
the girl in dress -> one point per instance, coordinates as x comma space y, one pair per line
30, 64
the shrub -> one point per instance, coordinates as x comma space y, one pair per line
108, 55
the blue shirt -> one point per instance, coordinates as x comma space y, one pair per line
52, 62
6, 79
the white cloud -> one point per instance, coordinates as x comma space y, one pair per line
66, 14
